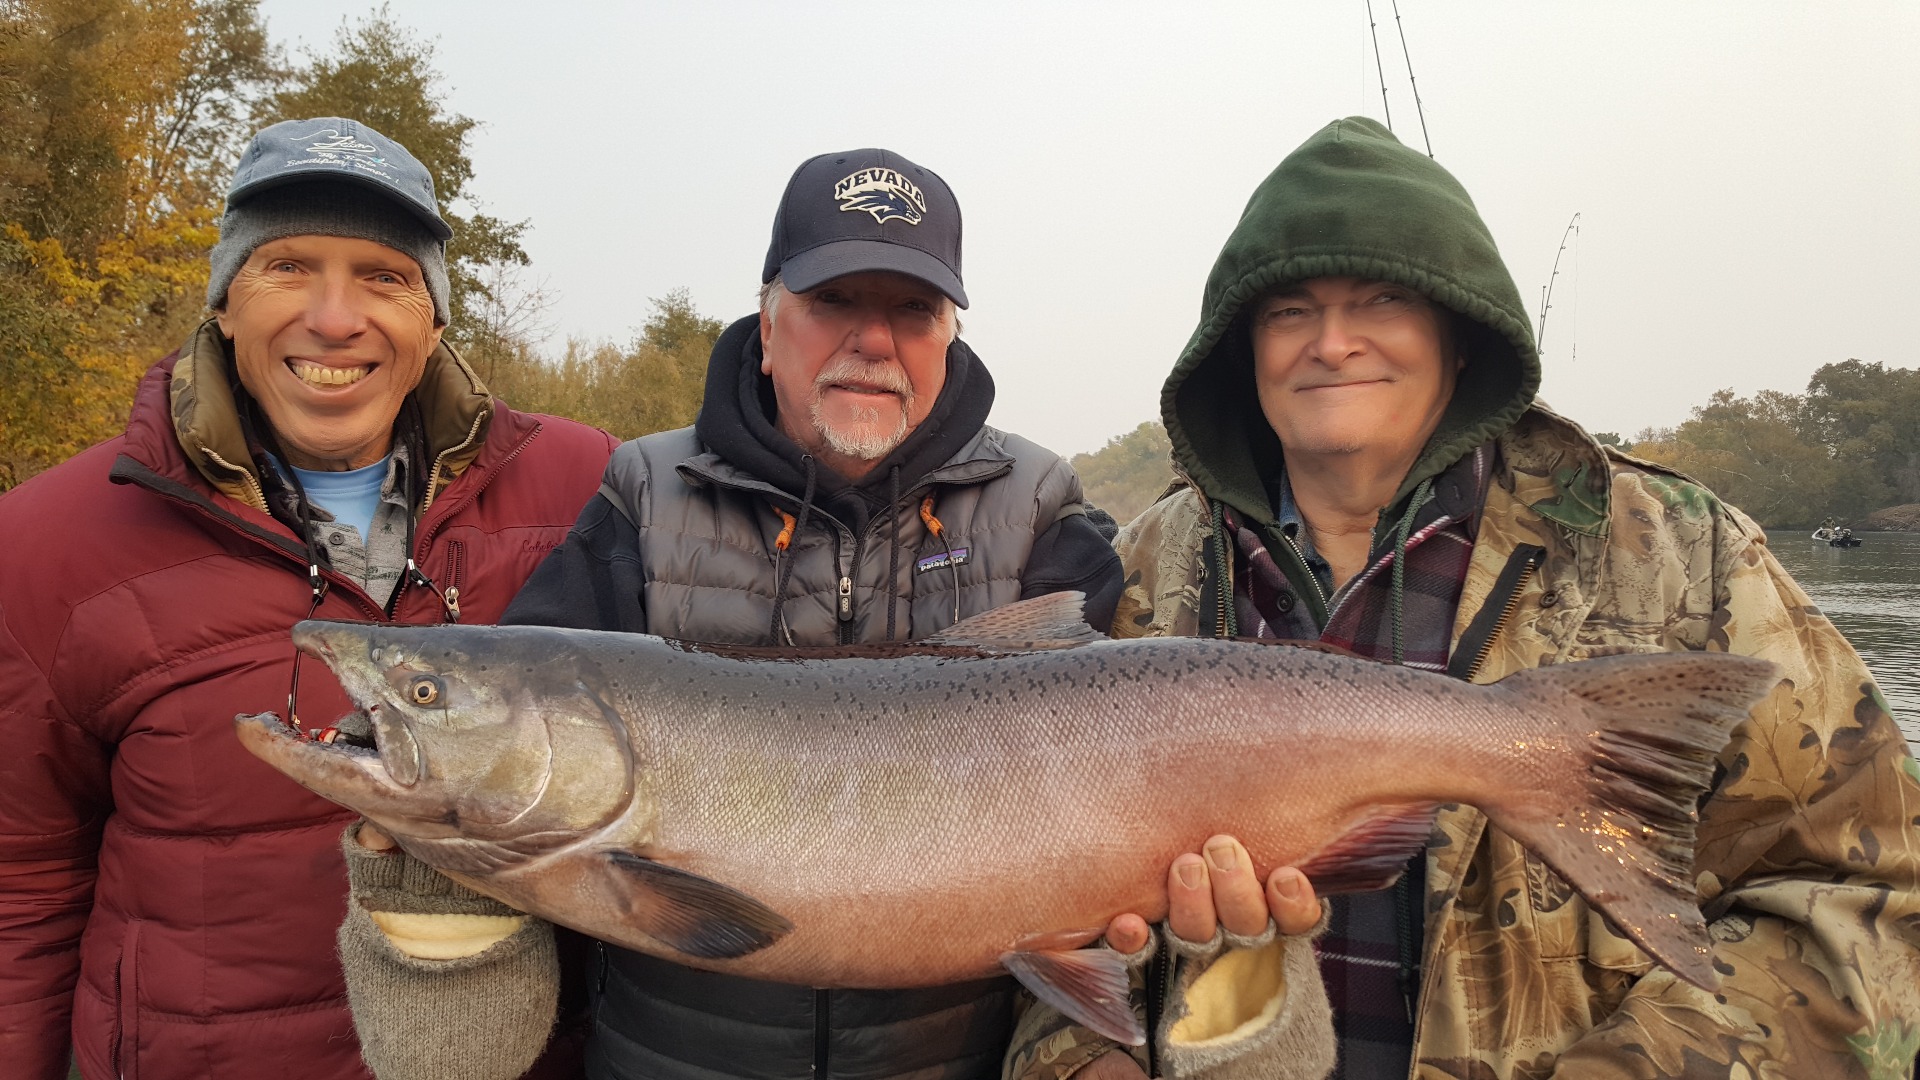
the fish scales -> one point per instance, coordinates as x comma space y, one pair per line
914, 817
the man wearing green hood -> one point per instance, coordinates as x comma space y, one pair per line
1363, 462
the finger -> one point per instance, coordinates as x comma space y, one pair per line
1238, 898
1127, 934
1296, 909
1190, 899
371, 837
1112, 1065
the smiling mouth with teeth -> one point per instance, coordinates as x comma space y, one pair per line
321, 375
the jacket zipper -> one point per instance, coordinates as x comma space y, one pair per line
1326, 602
822, 1035
1520, 568
433, 478
456, 564
844, 601
254, 489
126, 988
423, 542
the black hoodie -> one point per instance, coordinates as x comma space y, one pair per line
593, 581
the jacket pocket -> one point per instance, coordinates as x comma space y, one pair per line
126, 1005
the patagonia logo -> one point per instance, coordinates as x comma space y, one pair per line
330, 141
884, 193
958, 557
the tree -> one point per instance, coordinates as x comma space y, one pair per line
1751, 452
115, 117
1129, 472
655, 383
1868, 416
377, 72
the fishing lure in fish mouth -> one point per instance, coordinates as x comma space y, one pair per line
900, 815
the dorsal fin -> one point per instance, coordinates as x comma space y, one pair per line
1054, 621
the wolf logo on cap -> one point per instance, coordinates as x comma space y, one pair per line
884, 193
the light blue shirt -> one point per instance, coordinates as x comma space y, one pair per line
351, 496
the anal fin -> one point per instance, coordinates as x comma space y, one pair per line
695, 915
1373, 851
1089, 985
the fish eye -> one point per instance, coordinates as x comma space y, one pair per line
425, 690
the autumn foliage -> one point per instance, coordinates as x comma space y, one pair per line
120, 121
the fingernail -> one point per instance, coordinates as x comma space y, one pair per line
1287, 885
1221, 855
1190, 874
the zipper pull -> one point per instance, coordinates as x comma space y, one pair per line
846, 599
451, 601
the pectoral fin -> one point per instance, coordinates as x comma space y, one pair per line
1052, 621
697, 916
1089, 985
1373, 850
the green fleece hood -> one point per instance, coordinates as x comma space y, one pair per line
1350, 202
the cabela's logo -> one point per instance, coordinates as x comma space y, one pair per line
884, 193
330, 141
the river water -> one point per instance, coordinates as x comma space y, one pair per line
1872, 593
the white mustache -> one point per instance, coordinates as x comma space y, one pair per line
865, 374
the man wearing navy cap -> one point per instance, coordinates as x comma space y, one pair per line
168, 903
840, 486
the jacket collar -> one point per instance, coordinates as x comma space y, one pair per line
736, 423
205, 418
1559, 472
982, 458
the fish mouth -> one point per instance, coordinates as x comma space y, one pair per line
376, 733
368, 729
346, 772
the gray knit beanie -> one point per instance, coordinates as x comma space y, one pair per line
330, 176
324, 209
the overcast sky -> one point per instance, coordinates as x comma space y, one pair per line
1747, 174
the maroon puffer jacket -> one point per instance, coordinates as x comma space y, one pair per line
192, 891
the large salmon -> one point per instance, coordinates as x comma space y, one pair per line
918, 815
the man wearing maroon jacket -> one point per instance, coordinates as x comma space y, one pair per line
167, 901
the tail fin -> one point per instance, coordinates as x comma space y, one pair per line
1652, 725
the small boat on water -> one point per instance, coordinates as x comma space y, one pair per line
1835, 535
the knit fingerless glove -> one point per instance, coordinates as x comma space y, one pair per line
1246, 1008
444, 983
1235, 1008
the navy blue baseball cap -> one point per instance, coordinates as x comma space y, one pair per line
863, 210
331, 148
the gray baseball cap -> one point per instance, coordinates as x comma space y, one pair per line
862, 210
336, 149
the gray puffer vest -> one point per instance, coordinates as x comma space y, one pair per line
954, 542
710, 541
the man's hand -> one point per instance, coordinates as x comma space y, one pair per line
1219, 889
371, 838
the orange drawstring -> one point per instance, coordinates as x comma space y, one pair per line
785, 538
933, 523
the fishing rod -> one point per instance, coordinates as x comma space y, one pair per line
1410, 79
1373, 31
1572, 232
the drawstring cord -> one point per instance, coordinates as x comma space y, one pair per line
893, 546
449, 597
319, 586
939, 532
783, 568
1421, 496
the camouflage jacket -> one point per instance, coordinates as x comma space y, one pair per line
1808, 853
